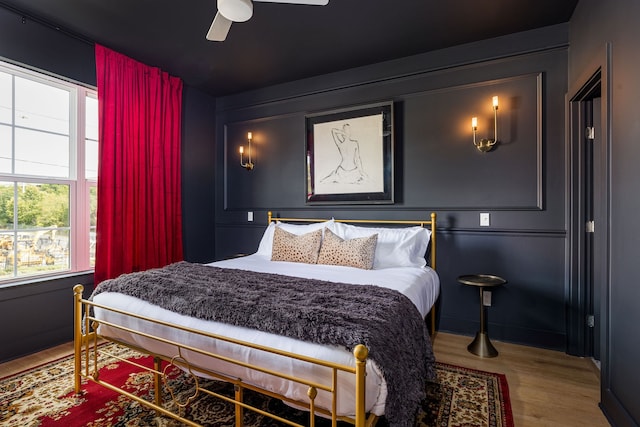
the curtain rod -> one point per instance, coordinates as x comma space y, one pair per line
46, 23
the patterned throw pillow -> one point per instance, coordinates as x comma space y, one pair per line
357, 252
296, 248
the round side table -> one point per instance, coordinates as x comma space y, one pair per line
481, 345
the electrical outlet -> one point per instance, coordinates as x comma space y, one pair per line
249, 216
486, 298
484, 219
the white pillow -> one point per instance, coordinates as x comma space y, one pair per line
266, 243
396, 247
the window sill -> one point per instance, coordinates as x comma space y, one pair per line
35, 280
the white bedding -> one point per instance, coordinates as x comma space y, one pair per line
420, 285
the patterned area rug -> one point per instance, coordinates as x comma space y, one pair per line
43, 396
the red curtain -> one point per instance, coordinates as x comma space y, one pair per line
139, 223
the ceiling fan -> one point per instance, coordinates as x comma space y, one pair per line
240, 11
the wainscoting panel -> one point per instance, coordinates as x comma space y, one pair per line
530, 308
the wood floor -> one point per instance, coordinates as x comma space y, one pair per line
547, 388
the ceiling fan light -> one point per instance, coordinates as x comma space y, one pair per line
236, 10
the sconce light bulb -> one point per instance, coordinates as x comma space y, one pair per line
486, 144
248, 165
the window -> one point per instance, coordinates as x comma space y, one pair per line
48, 175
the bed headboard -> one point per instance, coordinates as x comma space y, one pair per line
431, 223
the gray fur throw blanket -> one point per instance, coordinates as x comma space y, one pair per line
318, 311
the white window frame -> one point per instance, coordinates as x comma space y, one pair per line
79, 185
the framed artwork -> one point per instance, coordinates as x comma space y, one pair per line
350, 155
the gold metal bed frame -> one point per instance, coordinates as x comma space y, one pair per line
87, 351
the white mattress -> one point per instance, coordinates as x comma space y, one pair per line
420, 285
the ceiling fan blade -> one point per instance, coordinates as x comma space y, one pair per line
310, 2
219, 28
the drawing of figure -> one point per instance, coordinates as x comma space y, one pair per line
350, 170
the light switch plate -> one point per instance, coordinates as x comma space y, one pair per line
249, 216
484, 219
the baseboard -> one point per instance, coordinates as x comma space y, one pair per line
615, 412
551, 340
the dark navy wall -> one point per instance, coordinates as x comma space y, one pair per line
39, 315
198, 191
35, 45
522, 183
605, 35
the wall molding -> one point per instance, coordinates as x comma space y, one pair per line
520, 122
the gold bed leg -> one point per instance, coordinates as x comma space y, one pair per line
433, 321
312, 393
239, 412
360, 352
433, 265
77, 336
156, 381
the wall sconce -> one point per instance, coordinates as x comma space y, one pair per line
249, 164
485, 145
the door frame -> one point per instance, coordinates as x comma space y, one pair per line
597, 73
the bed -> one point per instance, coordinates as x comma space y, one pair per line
305, 333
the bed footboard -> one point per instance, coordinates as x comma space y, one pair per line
88, 354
